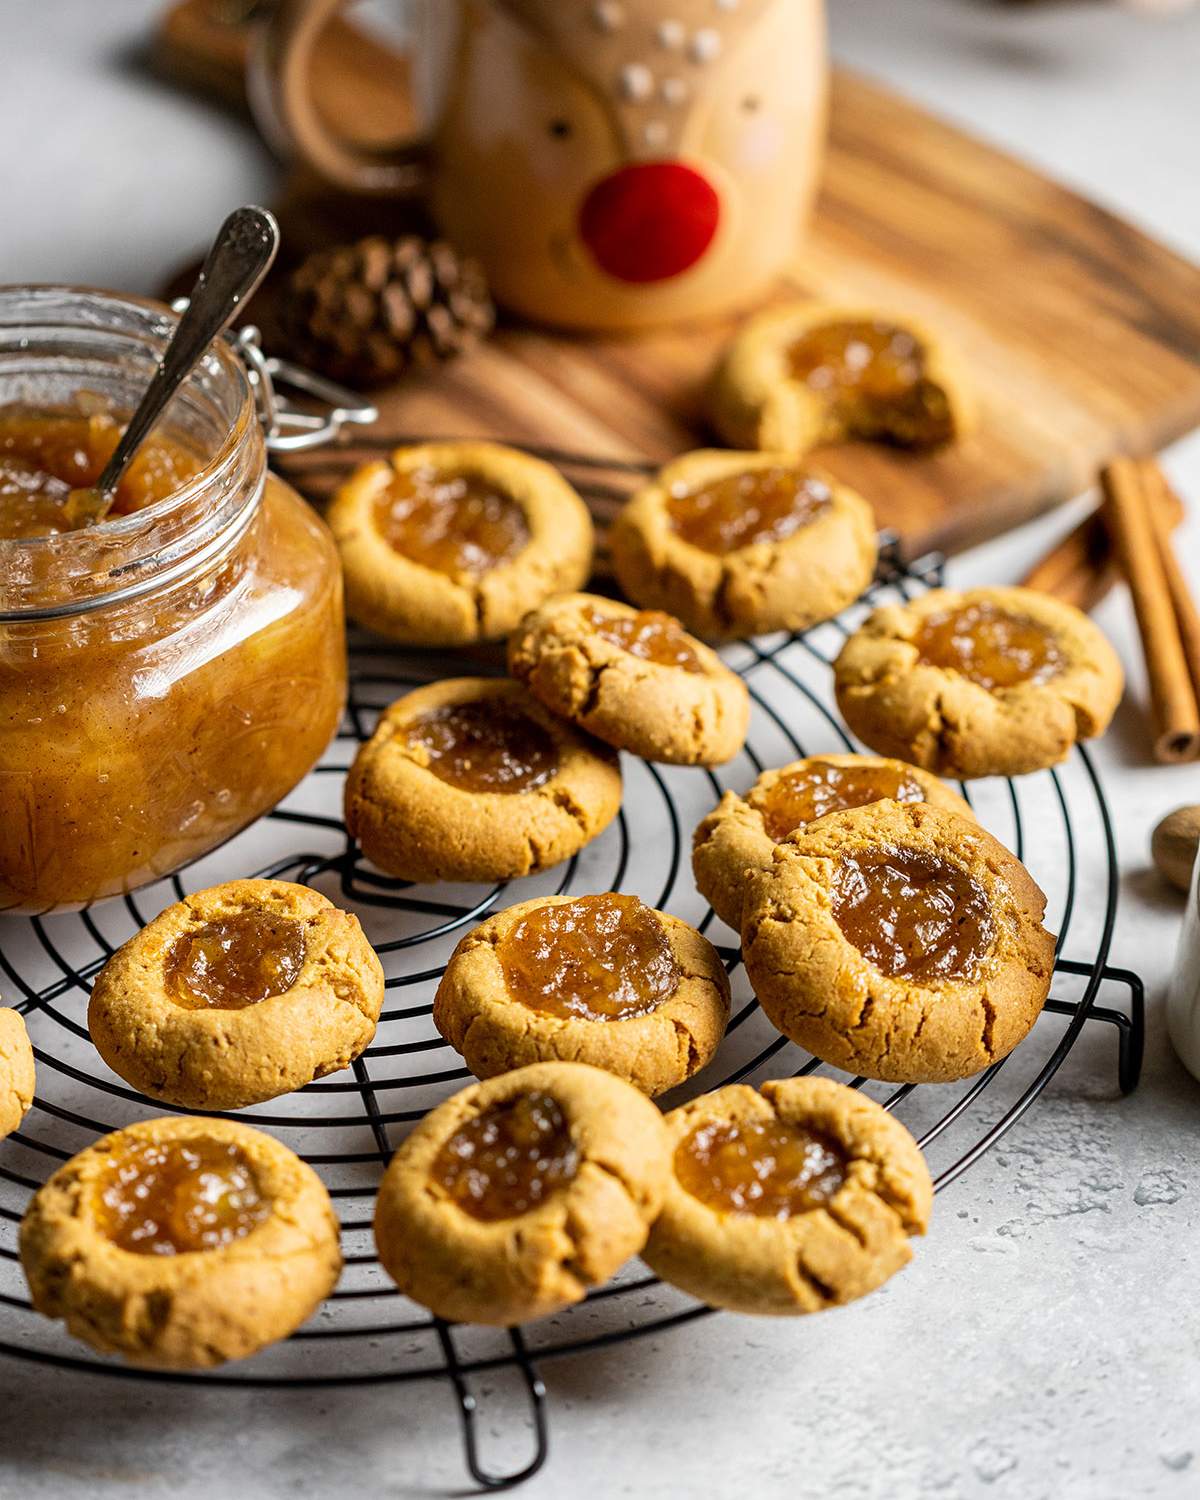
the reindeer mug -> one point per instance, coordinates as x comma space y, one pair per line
615, 164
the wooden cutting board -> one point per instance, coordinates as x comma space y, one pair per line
1081, 334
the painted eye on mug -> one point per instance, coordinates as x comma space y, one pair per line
560, 129
751, 104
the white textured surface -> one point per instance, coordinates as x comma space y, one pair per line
1045, 1341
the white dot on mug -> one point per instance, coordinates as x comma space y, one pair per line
670, 34
705, 45
636, 82
608, 15
672, 91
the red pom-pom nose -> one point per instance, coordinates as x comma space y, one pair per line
650, 221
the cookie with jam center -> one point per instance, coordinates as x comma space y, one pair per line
599, 979
516, 1196
633, 678
181, 1243
809, 373
237, 994
898, 941
984, 682
474, 779
444, 544
17, 1076
788, 1199
740, 834
738, 544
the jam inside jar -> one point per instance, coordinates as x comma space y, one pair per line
178, 1197
599, 958
167, 675
46, 455
509, 1158
766, 1167
742, 510
913, 915
821, 786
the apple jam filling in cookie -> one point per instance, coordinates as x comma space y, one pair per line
236, 995
741, 832
790, 1199
508, 1159
17, 1079
181, 1243
798, 376
600, 979
456, 524
473, 779
490, 745
990, 682
515, 1197
448, 543
912, 914
178, 1197
235, 961
767, 1167
742, 543
899, 941
633, 678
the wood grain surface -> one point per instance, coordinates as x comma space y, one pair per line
1080, 335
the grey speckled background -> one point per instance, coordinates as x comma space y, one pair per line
1045, 1343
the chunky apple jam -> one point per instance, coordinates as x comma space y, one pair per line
820, 786
166, 675
178, 1197
766, 1167
457, 524
989, 645
598, 958
913, 915
235, 961
508, 1159
742, 510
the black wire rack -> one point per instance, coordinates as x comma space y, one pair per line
1056, 821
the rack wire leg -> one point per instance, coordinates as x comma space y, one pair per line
468, 1408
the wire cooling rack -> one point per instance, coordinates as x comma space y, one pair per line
347, 1126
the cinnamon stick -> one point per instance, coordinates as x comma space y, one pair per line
1081, 569
1131, 494
1187, 615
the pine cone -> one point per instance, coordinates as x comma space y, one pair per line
365, 313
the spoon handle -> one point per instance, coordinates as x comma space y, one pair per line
240, 257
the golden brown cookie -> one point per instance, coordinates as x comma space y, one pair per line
989, 682
17, 1080
448, 543
898, 941
513, 1198
473, 779
811, 373
597, 979
796, 1198
740, 833
742, 543
237, 994
181, 1243
633, 678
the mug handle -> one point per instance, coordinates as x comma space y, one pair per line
281, 96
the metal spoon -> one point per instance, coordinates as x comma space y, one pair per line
240, 257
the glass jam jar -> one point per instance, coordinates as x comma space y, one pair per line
167, 675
